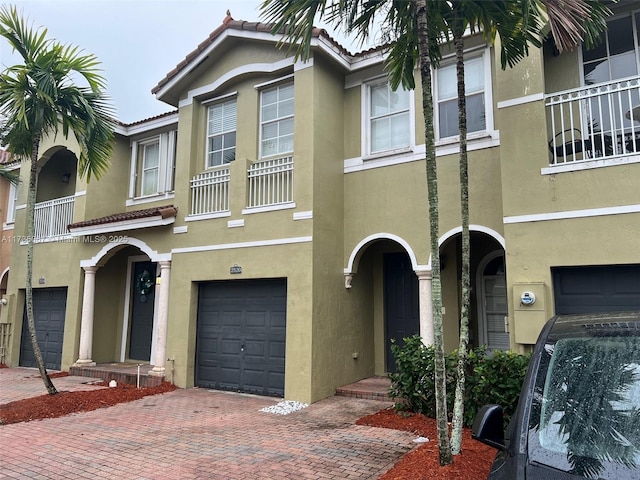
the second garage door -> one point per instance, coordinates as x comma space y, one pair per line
240, 344
595, 289
49, 309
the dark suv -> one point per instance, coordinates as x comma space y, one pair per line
579, 410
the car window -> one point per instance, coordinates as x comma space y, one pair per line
585, 415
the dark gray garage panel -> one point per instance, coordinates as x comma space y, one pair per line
49, 308
240, 342
596, 288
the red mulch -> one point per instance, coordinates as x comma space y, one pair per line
64, 403
422, 463
2, 365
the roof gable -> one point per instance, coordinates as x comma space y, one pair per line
238, 29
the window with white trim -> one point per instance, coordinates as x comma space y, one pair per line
389, 121
276, 120
153, 165
11, 204
616, 56
446, 101
221, 133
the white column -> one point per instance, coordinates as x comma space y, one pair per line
163, 317
86, 325
426, 306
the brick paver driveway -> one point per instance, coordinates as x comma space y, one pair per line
197, 433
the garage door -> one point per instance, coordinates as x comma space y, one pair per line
49, 307
240, 344
596, 288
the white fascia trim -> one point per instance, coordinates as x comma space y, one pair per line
181, 229
235, 223
308, 215
249, 68
149, 125
589, 212
221, 98
270, 208
153, 198
536, 97
589, 164
359, 164
321, 43
231, 246
156, 221
82, 193
206, 216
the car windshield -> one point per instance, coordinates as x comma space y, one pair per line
585, 416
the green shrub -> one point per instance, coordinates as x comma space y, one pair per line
490, 377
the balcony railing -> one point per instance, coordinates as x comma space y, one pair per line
210, 192
595, 122
270, 182
52, 217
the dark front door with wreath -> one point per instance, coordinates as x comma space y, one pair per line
143, 296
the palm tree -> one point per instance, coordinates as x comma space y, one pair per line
37, 99
518, 24
416, 29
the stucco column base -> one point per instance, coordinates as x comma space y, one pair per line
157, 371
84, 363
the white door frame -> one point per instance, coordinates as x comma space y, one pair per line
482, 319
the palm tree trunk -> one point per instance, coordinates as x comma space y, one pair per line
458, 405
444, 446
31, 208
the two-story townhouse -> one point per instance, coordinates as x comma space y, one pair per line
571, 178
271, 235
7, 215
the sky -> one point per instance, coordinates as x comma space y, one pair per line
137, 41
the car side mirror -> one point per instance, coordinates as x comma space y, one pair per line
488, 427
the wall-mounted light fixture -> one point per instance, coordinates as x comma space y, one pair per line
66, 177
3, 302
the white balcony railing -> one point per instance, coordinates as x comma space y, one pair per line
52, 217
270, 182
597, 121
210, 192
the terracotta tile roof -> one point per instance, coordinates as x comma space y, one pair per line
163, 212
230, 24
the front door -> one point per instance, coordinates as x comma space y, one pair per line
143, 296
493, 289
401, 306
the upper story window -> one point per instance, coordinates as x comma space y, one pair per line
11, 204
616, 56
150, 168
276, 120
221, 133
389, 118
446, 100
153, 165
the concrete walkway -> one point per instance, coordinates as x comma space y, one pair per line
195, 433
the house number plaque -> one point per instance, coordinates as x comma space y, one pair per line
235, 269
